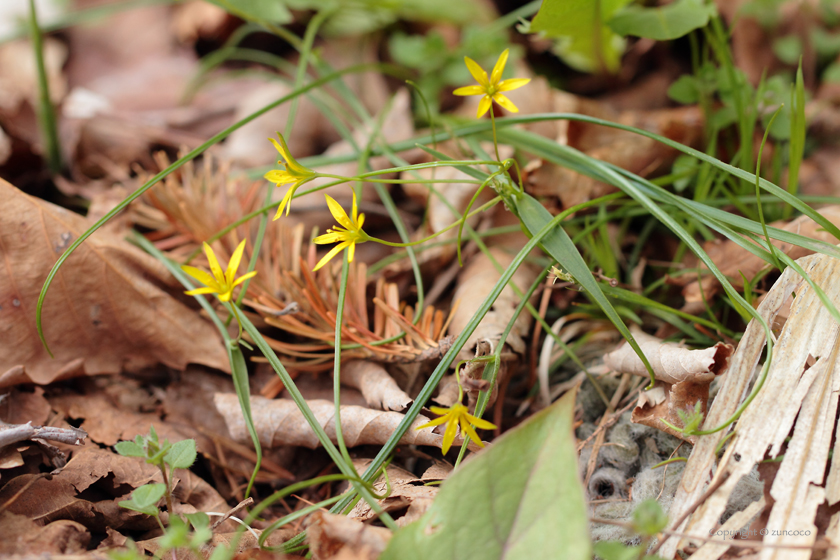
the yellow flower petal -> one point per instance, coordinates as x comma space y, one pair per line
233, 265
338, 212
205, 290
483, 106
480, 423
285, 203
444, 411
279, 177
511, 84
360, 222
467, 429
436, 422
281, 149
333, 252
351, 251
505, 102
499, 68
245, 277
469, 90
331, 237
354, 211
200, 275
477, 72
215, 268
449, 436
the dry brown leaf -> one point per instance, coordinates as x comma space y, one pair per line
407, 492
107, 477
683, 378
19, 77
635, 153
336, 536
279, 422
793, 415
671, 362
109, 307
21, 535
376, 385
733, 260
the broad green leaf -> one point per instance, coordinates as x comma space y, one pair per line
260, 11
662, 24
145, 499
520, 498
181, 455
584, 41
684, 90
130, 449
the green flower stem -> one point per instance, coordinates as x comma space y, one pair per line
443, 366
495, 363
238, 367
339, 321
493, 125
478, 210
46, 111
296, 395
166, 172
305, 51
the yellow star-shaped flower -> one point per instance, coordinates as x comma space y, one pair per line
491, 88
349, 232
458, 414
292, 172
221, 283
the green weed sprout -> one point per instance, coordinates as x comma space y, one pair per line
179, 455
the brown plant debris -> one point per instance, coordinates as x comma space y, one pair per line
791, 420
280, 422
110, 307
379, 389
682, 376
339, 537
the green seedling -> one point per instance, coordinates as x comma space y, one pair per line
179, 455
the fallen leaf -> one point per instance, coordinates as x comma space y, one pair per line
336, 536
520, 498
376, 385
22, 536
733, 260
405, 493
280, 422
110, 306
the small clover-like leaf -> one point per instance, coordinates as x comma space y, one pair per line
649, 519
130, 449
181, 455
145, 499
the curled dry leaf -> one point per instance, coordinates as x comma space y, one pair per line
109, 307
376, 385
733, 260
671, 362
279, 422
683, 378
337, 536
